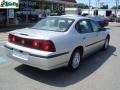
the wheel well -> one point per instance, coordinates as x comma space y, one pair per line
81, 49
108, 36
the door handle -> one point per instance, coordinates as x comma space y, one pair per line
84, 38
97, 34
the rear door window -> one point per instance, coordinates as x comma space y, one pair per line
84, 26
95, 26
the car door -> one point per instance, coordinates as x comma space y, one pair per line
100, 32
87, 34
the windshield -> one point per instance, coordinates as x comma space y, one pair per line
54, 24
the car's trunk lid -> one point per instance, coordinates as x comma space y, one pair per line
36, 34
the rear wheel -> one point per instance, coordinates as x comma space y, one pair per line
75, 60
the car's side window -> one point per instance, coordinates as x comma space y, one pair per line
84, 26
95, 26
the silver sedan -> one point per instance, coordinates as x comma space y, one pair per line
57, 41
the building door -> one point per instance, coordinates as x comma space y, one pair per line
108, 13
3, 17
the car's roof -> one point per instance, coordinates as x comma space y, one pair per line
70, 16
98, 18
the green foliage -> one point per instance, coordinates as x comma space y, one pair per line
104, 7
83, 6
114, 7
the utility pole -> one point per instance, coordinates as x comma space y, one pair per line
96, 4
116, 9
97, 7
89, 6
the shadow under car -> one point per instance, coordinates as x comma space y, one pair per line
62, 78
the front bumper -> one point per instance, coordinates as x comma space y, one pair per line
42, 62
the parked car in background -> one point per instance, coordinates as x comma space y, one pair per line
57, 41
101, 20
85, 14
111, 18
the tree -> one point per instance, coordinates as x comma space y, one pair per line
83, 6
104, 7
114, 7
117, 6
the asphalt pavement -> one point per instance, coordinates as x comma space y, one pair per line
100, 71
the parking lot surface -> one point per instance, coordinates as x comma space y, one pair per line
100, 71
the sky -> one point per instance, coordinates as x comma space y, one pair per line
93, 2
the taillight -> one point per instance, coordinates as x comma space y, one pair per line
48, 46
35, 44
44, 45
11, 38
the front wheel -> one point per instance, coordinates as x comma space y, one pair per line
106, 45
75, 60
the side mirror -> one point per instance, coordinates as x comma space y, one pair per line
101, 29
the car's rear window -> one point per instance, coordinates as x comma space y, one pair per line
54, 24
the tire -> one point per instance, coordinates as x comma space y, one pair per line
106, 45
75, 60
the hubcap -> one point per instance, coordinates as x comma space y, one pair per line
76, 60
106, 44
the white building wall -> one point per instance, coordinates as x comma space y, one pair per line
71, 10
101, 12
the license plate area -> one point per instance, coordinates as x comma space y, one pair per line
20, 54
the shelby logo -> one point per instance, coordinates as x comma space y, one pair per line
5, 3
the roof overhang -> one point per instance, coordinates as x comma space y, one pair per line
60, 2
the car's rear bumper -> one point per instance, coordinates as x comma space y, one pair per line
41, 62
